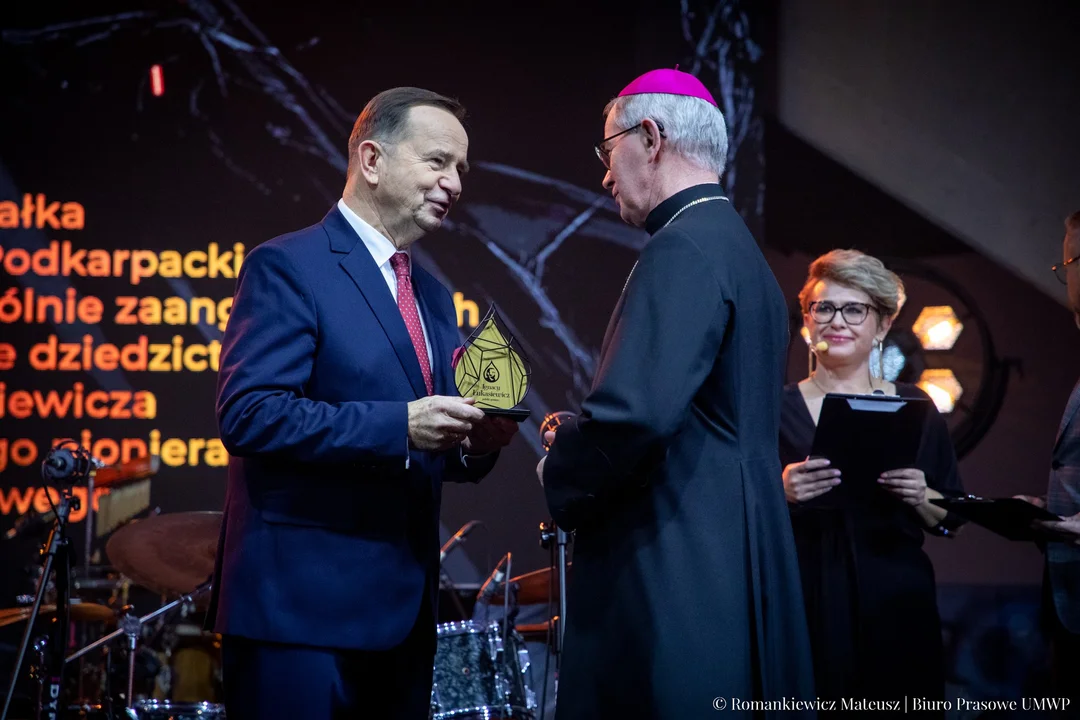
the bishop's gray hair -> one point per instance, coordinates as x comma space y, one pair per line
695, 128
1072, 223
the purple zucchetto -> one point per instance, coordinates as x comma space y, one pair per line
669, 82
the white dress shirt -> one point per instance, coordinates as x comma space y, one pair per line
382, 250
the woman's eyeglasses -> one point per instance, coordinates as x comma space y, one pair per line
854, 313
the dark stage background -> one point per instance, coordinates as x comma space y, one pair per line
248, 141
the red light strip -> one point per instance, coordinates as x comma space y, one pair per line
157, 81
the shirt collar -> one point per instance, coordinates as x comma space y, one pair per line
378, 245
666, 210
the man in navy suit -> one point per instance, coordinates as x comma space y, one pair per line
1061, 586
337, 404
1063, 499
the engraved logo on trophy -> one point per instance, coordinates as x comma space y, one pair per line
491, 368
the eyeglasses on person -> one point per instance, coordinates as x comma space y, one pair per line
1061, 270
854, 313
604, 152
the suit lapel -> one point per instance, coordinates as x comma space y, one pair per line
361, 267
1070, 413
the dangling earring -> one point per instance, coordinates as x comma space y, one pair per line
881, 359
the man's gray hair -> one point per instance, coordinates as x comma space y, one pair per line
695, 128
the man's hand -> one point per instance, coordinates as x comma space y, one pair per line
549, 438
1065, 530
439, 422
489, 434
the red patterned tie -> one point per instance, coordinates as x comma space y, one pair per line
407, 304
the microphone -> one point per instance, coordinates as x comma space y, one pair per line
457, 538
62, 463
492, 585
29, 521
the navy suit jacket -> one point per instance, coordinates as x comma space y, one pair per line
1063, 498
327, 538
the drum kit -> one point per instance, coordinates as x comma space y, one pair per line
165, 666
483, 668
156, 667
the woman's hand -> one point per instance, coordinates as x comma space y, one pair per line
908, 484
808, 479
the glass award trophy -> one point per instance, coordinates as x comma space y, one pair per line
491, 368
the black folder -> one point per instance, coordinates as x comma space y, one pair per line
865, 435
1011, 518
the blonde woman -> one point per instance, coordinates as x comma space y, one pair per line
869, 588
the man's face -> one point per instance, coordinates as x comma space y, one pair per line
627, 177
423, 171
1071, 248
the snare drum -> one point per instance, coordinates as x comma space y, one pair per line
481, 673
165, 710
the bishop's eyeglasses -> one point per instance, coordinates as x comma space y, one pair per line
603, 150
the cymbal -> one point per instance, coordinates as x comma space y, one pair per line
535, 588
171, 554
80, 612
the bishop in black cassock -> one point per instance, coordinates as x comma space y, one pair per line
685, 590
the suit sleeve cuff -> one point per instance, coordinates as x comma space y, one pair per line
465, 457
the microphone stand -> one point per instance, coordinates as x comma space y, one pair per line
57, 546
446, 582
89, 525
562, 540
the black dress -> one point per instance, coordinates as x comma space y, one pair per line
869, 590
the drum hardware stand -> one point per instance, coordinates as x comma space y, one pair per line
39, 671
131, 626
51, 651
